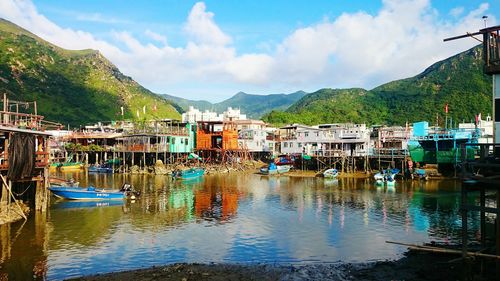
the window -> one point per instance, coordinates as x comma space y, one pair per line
186, 141
299, 144
291, 144
168, 139
285, 144
306, 134
173, 140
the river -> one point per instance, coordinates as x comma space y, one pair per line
234, 218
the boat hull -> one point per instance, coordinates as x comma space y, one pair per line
189, 174
330, 173
75, 193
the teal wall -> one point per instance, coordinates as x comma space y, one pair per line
183, 144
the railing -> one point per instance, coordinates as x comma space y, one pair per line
389, 152
21, 120
481, 162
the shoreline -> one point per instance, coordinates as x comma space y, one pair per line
412, 266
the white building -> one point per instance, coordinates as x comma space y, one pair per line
485, 128
325, 140
194, 115
233, 114
256, 140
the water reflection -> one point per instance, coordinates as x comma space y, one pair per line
235, 218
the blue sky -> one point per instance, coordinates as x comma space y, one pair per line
212, 49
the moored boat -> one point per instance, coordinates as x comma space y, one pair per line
69, 166
92, 193
63, 182
187, 174
100, 169
331, 173
388, 176
273, 169
89, 193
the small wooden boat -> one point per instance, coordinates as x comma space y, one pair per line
272, 169
89, 193
284, 169
187, 174
331, 173
388, 176
63, 182
69, 166
100, 169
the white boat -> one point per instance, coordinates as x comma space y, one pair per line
331, 173
284, 169
273, 169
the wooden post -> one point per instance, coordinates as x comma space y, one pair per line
482, 195
97, 158
498, 235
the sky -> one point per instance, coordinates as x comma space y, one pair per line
210, 50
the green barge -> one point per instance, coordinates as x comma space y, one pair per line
440, 146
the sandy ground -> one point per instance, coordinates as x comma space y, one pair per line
414, 266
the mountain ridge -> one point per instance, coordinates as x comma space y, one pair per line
71, 87
457, 81
254, 106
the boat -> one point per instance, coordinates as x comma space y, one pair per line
92, 193
433, 145
100, 169
89, 193
421, 174
331, 173
268, 170
191, 173
284, 160
62, 182
67, 166
388, 176
273, 169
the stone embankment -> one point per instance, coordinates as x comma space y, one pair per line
166, 169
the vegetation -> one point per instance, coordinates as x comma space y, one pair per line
71, 87
457, 81
254, 106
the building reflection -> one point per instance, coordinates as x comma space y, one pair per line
24, 247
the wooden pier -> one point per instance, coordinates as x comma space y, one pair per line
24, 158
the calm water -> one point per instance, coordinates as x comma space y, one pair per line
235, 219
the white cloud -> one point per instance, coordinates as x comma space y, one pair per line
202, 28
96, 17
457, 11
155, 36
353, 50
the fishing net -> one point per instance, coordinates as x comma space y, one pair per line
21, 156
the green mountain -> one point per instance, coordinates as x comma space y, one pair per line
254, 106
71, 87
457, 81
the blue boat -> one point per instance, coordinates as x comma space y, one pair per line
100, 169
188, 174
89, 193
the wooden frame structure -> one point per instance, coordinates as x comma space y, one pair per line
24, 157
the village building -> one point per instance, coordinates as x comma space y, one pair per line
390, 141
484, 127
193, 115
325, 140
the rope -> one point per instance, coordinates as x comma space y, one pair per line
22, 193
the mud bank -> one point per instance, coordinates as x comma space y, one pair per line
413, 266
